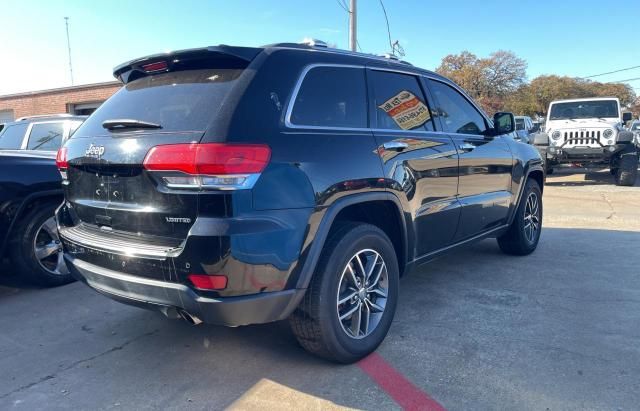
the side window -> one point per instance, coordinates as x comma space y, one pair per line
46, 136
400, 103
332, 97
12, 136
455, 111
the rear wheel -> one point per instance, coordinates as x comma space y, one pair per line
627, 173
524, 233
36, 251
351, 301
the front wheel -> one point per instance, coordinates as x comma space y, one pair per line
627, 173
351, 301
524, 233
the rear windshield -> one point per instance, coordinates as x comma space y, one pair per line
584, 109
179, 101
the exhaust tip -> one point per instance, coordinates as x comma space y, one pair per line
191, 319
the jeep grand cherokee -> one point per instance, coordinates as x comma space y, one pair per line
235, 185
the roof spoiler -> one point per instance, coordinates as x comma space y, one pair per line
241, 54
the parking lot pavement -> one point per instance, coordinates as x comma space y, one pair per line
474, 330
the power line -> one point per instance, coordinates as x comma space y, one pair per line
343, 5
386, 18
624, 81
612, 72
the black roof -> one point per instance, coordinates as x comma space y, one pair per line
247, 54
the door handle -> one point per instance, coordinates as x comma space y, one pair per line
395, 145
467, 147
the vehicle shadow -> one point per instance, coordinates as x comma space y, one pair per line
12, 280
592, 177
456, 314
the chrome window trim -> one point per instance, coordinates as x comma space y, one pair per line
287, 120
296, 90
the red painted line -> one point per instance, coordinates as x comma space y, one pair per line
407, 395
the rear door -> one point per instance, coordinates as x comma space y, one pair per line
484, 188
108, 187
420, 164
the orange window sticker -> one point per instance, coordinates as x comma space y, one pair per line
406, 110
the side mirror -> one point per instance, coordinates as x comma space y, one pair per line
626, 117
503, 123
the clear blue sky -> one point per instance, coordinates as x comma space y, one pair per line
566, 37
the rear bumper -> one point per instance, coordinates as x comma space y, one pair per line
169, 298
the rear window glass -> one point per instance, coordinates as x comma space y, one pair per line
12, 136
332, 97
46, 136
185, 100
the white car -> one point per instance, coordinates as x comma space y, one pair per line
590, 132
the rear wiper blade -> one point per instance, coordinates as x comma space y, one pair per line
121, 123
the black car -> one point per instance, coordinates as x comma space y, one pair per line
30, 191
236, 185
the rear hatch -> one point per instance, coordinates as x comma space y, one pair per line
166, 100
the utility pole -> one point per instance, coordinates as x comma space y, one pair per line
353, 27
66, 22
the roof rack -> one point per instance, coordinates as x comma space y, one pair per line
319, 44
44, 116
315, 43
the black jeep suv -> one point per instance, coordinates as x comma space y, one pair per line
234, 185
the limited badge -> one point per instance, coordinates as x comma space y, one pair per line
406, 110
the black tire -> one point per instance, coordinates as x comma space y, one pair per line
519, 238
628, 171
613, 171
315, 322
31, 233
549, 171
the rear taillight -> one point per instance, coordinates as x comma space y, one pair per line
61, 162
208, 166
208, 282
61, 158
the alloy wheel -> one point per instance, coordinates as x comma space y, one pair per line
48, 249
362, 293
532, 217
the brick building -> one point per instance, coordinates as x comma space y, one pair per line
82, 99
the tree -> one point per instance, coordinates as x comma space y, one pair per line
545, 89
488, 80
498, 83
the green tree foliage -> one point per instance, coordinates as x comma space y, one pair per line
498, 83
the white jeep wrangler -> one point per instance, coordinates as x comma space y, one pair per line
589, 132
